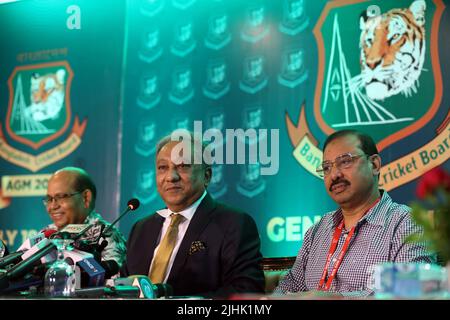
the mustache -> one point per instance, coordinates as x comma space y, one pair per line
337, 182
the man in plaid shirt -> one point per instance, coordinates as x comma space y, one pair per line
340, 251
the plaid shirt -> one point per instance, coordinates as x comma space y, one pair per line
379, 237
116, 248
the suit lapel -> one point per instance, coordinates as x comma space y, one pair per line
151, 238
199, 221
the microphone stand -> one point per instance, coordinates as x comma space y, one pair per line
99, 248
114, 222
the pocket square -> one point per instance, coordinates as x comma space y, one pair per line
196, 246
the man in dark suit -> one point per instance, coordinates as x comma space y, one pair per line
215, 251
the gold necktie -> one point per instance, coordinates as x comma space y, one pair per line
162, 257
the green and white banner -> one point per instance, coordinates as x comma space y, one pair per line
95, 84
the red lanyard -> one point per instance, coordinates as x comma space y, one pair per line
334, 242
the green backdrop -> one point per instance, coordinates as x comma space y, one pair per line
137, 69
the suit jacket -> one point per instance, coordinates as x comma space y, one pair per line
218, 256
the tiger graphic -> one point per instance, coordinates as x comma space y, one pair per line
47, 96
392, 51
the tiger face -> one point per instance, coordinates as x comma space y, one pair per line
393, 51
47, 96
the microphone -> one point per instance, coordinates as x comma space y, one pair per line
25, 266
84, 236
72, 231
138, 286
163, 290
88, 272
30, 243
89, 243
132, 205
12, 258
27, 258
120, 291
147, 289
143, 283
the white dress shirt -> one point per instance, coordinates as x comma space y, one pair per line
187, 213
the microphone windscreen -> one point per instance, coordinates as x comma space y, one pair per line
133, 204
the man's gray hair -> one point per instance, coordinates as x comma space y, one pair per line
180, 135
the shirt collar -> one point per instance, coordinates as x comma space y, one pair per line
374, 216
188, 213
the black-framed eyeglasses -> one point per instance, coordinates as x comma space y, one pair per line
58, 197
344, 161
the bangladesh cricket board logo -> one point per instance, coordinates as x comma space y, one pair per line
39, 112
378, 72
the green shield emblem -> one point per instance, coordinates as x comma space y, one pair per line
39, 104
379, 68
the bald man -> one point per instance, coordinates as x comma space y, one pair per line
70, 199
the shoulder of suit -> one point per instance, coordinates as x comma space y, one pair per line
229, 211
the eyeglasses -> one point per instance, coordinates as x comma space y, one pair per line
344, 161
58, 198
